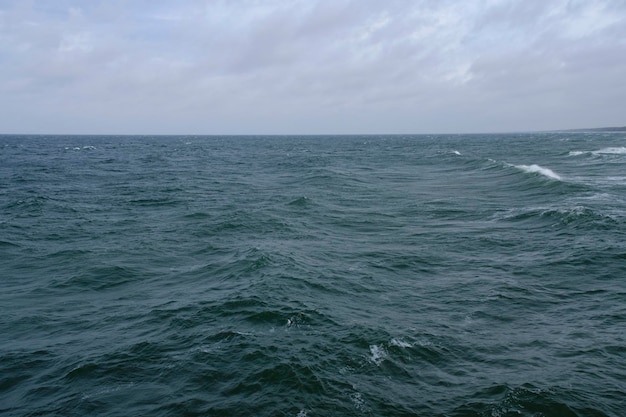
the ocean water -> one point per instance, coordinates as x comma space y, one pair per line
466, 275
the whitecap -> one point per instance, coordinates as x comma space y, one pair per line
576, 153
534, 168
400, 343
378, 354
611, 151
456, 152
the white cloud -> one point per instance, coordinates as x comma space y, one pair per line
263, 66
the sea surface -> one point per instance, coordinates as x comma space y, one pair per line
443, 275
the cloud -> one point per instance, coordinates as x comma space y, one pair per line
345, 66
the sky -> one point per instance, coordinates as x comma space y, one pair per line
310, 66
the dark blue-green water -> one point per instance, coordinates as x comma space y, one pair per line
313, 276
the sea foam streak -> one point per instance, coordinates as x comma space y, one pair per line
546, 172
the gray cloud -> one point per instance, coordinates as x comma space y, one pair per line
297, 66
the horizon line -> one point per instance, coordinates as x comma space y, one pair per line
512, 132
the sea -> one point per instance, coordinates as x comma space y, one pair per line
305, 276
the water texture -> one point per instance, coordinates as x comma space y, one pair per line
467, 275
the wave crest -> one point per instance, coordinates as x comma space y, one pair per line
537, 169
611, 151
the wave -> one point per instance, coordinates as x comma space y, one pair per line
78, 148
400, 343
575, 217
537, 169
618, 150
611, 151
490, 164
300, 202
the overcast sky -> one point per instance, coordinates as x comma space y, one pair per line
310, 66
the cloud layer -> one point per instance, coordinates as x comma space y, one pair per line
310, 66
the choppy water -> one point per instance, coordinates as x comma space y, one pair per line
313, 276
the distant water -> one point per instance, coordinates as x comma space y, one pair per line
313, 276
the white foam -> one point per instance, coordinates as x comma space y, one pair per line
400, 343
358, 401
546, 172
611, 151
456, 153
621, 150
302, 413
78, 148
205, 349
378, 354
